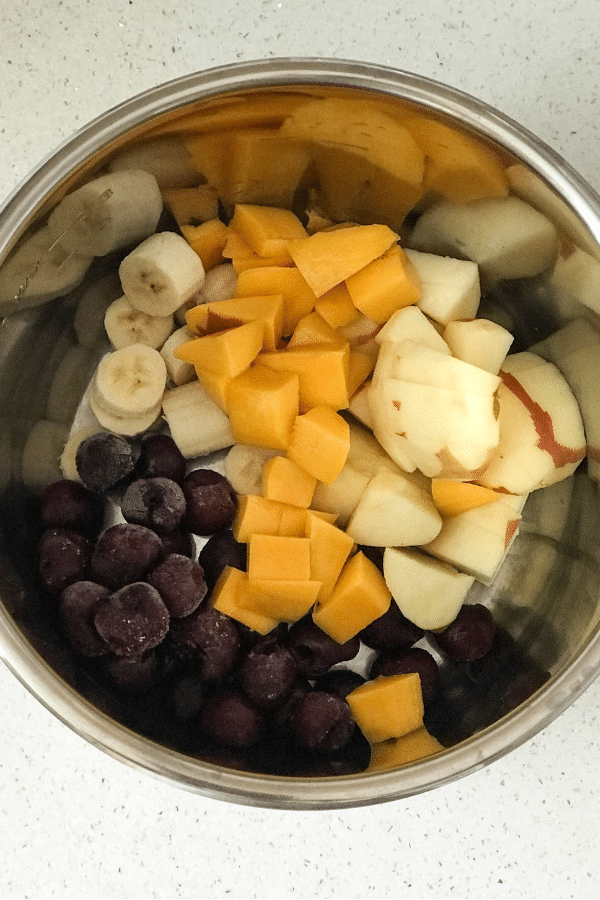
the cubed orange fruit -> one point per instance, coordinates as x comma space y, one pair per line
271, 557
312, 329
359, 596
227, 597
337, 307
243, 257
207, 240
330, 547
454, 497
263, 405
255, 515
286, 481
220, 315
286, 601
385, 285
192, 205
298, 298
228, 353
320, 443
322, 370
267, 229
415, 745
388, 707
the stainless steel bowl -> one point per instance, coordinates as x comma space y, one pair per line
548, 591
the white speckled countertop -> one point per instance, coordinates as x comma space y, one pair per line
76, 824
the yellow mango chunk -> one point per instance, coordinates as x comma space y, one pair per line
266, 229
264, 168
388, 707
210, 318
336, 307
320, 443
192, 205
312, 329
272, 557
385, 285
298, 298
255, 515
227, 353
293, 522
361, 365
215, 384
284, 480
250, 111
415, 745
243, 257
208, 153
454, 497
286, 601
457, 167
330, 257
263, 406
322, 371
359, 596
330, 547
207, 240
228, 595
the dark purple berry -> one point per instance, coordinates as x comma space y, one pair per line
133, 620
156, 503
470, 636
211, 502
268, 673
322, 722
221, 550
208, 640
133, 675
340, 682
314, 651
64, 557
231, 719
103, 460
180, 582
392, 632
413, 660
68, 504
123, 554
77, 606
179, 541
160, 457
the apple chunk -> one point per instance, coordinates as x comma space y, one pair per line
410, 324
422, 365
450, 287
394, 512
542, 438
479, 341
428, 592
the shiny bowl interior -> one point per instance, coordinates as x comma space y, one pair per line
547, 592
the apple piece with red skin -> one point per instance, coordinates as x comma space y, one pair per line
429, 592
479, 341
542, 438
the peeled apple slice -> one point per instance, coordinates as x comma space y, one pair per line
40, 269
130, 381
107, 213
161, 274
394, 512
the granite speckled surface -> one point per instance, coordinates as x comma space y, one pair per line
77, 824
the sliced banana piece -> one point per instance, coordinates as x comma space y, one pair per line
130, 381
110, 212
129, 425
44, 444
179, 371
198, 426
127, 325
244, 467
161, 274
40, 269
88, 320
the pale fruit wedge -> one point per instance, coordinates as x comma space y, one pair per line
421, 365
576, 276
450, 287
394, 512
198, 426
428, 592
479, 342
411, 324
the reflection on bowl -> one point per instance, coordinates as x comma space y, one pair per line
335, 142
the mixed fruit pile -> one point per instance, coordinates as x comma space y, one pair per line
300, 608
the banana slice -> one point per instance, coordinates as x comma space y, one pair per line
88, 320
130, 381
128, 426
40, 269
126, 325
244, 467
161, 274
198, 426
179, 371
68, 464
108, 213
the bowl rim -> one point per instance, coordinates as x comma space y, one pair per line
212, 780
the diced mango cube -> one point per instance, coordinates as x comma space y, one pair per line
207, 240
337, 307
312, 329
264, 167
293, 520
385, 285
359, 596
220, 315
263, 406
330, 547
415, 745
227, 597
320, 443
255, 515
388, 707
454, 497
322, 370
215, 385
192, 205
228, 353
286, 601
360, 366
243, 257
330, 257
284, 480
298, 298
271, 557
267, 229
